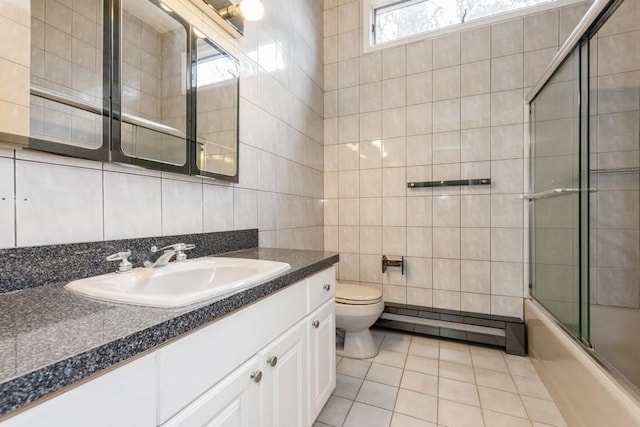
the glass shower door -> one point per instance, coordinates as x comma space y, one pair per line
556, 196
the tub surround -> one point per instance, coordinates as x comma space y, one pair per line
51, 338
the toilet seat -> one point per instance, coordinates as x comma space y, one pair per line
357, 294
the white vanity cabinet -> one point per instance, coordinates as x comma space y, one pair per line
124, 397
295, 370
269, 364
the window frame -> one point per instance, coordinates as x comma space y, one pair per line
368, 15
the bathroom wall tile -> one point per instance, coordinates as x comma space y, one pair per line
475, 111
349, 267
132, 206
506, 279
349, 212
394, 241
419, 211
507, 142
535, 63
420, 297
370, 97
217, 207
370, 154
394, 211
370, 271
394, 122
475, 243
569, 18
507, 211
541, 30
176, 217
507, 38
348, 73
507, 306
419, 56
507, 72
348, 45
7, 204
348, 128
349, 100
371, 211
507, 176
349, 156
370, 183
331, 238
245, 209
349, 183
371, 67
394, 182
446, 51
446, 211
349, 239
371, 126
394, 152
419, 150
506, 244
419, 88
616, 53
475, 144
475, 45
57, 204
267, 211
371, 240
475, 211
446, 83
507, 107
394, 62
397, 294
475, 78
476, 303
446, 242
475, 276
419, 241
419, 272
446, 115
394, 93
446, 299
419, 119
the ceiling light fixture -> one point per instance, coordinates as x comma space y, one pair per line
250, 10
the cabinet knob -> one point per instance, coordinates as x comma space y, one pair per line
272, 361
315, 324
327, 287
256, 376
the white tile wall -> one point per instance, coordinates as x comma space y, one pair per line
450, 107
281, 151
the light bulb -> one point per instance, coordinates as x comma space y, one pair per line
251, 10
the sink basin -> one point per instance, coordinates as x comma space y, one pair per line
179, 283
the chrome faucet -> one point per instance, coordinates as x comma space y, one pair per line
170, 251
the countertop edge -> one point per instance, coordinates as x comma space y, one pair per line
27, 389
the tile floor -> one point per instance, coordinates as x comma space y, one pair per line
424, 382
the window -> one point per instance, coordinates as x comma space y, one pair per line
394, 20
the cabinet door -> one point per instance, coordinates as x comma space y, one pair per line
284, 394
233, 402
322, 356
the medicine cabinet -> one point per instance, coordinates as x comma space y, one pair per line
133, 82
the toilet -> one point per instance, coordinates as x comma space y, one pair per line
357, 308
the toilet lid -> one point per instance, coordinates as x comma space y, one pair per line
357, 294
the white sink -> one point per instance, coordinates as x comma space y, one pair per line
179, 283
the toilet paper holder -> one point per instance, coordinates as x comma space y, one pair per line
386, 262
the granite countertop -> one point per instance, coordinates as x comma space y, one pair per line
51, 338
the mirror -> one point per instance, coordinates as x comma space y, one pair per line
154, 84
216, 83
67, 74
131, 81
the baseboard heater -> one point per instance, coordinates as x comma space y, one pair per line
499, 331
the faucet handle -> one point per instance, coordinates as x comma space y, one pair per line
178, 247
125, 265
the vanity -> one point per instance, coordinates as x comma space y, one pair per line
263, 356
